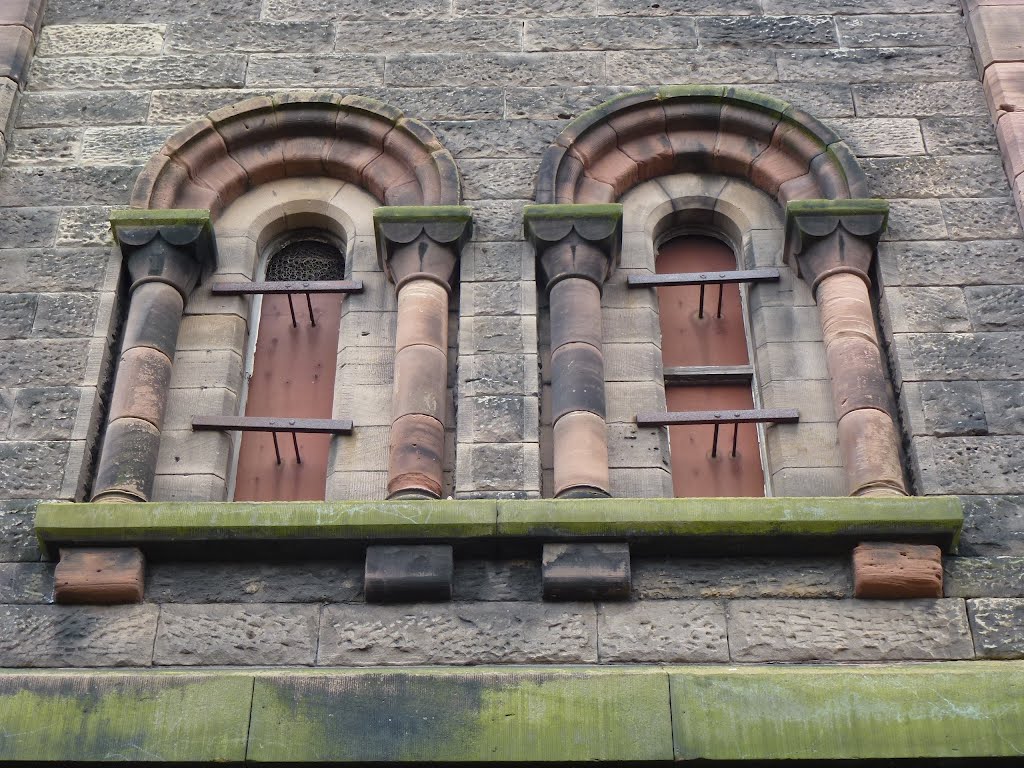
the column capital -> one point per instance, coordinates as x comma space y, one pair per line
421, 241
824, 237
173, 246
575, 240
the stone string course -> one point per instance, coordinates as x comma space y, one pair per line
897, 79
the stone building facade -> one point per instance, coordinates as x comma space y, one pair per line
497, 570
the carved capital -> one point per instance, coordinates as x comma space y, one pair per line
421, 241
169, 246
824, 237
575, 240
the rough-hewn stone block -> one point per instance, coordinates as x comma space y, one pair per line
924, 310
996, 308
663, 631
998, 627
430, 36
495, 69
984, 576
745, 66
45, 146
958, 135
123, 146
892, 30
32, 470
1004, 406
984, 262
881, 137
353, 10
236, 635
820, 630
258, 37
678, 7
44, 413
25, 582
497, 580
916, 220
993, 525
708, 579
498, 139
17, 536
944, 408
78, 108
864, 65
305, 582
74, 72
766, 31
948, 176
68, 185
959, 97
313, 71
960, 356
609, 33
454, 633
988, 464
77, 636
28, 227
101, 39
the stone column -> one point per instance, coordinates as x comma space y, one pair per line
166, 252
833, 243
577, 249
419, 248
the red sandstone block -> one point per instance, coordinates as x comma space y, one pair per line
998, 33
16, 46
99, 576
887, 571
1010, 132
27, 13
1004, 87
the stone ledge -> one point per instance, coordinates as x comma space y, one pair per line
557, 714
740, 525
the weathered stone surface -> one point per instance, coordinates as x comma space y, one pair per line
948, 176
993, 525
981, 218
236, 634
960, 356
50, 362
998, 627
860, 6
538, 69
85, 225
665, 631
862, 65
959, 135
885, 570
524, 8
881, 137
982, 262
960, 97
496, 220
430, 36
925, 309
1004, 406
497, 179
78, 108
847, 630
313, 71
258, 37
57, 185
65, 315
6, 408
766, 31
71, 11
609, 33
17, 536
901, 30
29, 583
54, 269
74, 72
708, 579
45, 146
353, 10
77, 636
558, 102
28, 227
497, 374
17, 311
746, 66
493, 580
101, 39
32, 470
46, 413
497, 419
408, 573
306, 582
915, 220
498, 467
987, 464
947, 407
996, 308
123, 146
984, 576
472, 633
498, 138
673, 7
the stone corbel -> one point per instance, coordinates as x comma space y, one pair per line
419, 248
825, 237
577, 249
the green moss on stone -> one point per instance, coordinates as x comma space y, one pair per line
867, 206
690, 91
755, 100
422, 213
572, 211
158, 217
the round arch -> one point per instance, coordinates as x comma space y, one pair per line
213, 161
638, 136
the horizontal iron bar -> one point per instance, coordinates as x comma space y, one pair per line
724, 416
690, 375
704, 278
288, 286
264, 424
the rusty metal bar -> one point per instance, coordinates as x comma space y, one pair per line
676, 418
714, 444
704, 278
277, 448
265, 424
735, 436
309, 303
295, 442
291, 308
721, 288
700, 312
288, 286
703, 375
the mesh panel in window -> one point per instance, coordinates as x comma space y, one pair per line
307, 260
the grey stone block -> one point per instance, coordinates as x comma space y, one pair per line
42, 362
498, 261
709, 579
54, 269
18, 541
353, 10
412, 69
81, 108
71, 11
766, 31
687, 66
28, 227
981, 218
865, 65
609, 33
959, 97
996, 308
77, 636
959, 136
1004, 406
556, 103
495, 220
109, 185
100, 40
631, 446
497, 179
6, 409
916, 220
44, 146
982, 262
408, 573
17, 312
498, 419
236, 635
586, 571
910, 310
665, 631
632, 483
496, 334
860, 6
443, 103
26, 583
288, 582
822, 100
632, 362
255, 36
948, 408
498, 139
430, 36
848, 630
998, 627
492, 580
80, 72
485, 467
123, 146
984, 576
497, 374
898, 30
993, 525
46, 413
87, 225
65, 315
960, 356
947, 176
458, 633
318, 71
801, 481
674, 7
976, 465
32, 469
881, 136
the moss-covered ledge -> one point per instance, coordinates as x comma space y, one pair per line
479, 715
803, 525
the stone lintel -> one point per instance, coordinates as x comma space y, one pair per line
890, 571
824, 237
575, 240
408, 574
111, 576
173, 246
421, 241
586, 571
